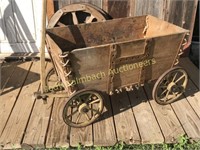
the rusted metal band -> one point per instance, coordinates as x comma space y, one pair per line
147, 50
112, 58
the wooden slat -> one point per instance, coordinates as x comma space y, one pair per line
191, 69
103, 129
62, 3
148, 126
58, 132
81, 136
188, 118
11, 92
144, 7
16, 125
37, 126
192, 94
126, 127
97, 3
169, 124
118, 8
84, 135
50, 8
6, 71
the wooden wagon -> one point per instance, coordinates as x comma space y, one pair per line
110, 57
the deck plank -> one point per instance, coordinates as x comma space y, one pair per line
19, 117
6, 72
188, 118
14, 85
193, 96
126, 127
192, 70
37, 127
81, 136
166, 117
103, 129
58, 131
148, 126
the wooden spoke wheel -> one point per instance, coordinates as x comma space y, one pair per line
170, 86
53, 82
83, 108
76, 14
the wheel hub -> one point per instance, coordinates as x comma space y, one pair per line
83, 108
171, 86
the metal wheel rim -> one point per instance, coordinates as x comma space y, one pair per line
170, 86
72, 112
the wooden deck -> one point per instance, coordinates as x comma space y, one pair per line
131, 117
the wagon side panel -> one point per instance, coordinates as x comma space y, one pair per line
128, 67
90, 68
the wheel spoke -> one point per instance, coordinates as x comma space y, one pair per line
60, 24
174, 77
87, 117
166, 96
163, 86
89, 20
78, 118
72, 113
163, 92
94, 110
88, 98
74, 17
179, 78
95, 101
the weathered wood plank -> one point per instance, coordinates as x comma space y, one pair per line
126, 127
191, 69
192, 94
152, 7
50, 9
16, 125
169, 124
148, 126
97, 3
188, 118
6, 72
118, 8
11, 92
81, 136
103, 129
62, 3
58, 132
37, 126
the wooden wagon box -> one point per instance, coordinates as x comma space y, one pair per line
115, 55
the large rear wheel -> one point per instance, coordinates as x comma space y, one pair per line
170, 86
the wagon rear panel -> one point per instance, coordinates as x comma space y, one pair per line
89, 35
164, 50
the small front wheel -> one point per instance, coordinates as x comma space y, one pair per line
83, 108
170, 86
